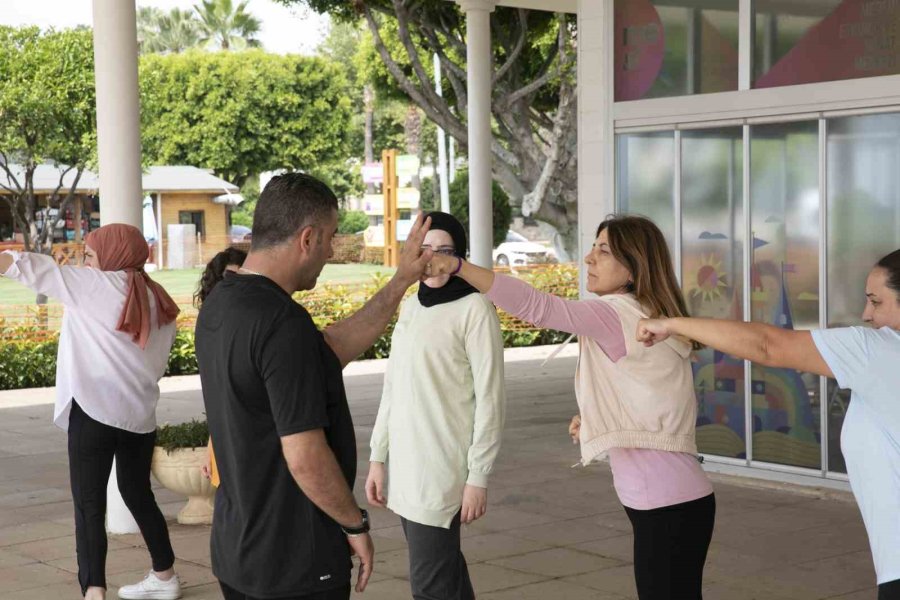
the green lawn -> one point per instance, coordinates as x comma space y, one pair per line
182, 284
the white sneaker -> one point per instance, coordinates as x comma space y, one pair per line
152, 588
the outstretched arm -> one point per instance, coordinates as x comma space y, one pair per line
73, 286
764, 344
593, 319
352, 336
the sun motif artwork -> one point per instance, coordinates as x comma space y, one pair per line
710, 279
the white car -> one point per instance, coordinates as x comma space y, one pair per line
517, 250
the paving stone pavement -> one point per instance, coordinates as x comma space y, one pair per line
551, 531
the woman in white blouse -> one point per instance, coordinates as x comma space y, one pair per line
117, 331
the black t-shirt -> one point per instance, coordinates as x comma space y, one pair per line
267, 372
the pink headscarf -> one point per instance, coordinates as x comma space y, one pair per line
122, 247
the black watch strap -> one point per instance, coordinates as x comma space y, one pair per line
364, 528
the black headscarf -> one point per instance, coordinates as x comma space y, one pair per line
456, 287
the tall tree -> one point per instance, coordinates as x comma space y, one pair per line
534, 94
227, 27
47, 114
272, 112
167, 33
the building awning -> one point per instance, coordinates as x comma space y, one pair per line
228, 199
166, 179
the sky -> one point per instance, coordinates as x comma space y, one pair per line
284, 30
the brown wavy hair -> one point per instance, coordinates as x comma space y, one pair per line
638, 244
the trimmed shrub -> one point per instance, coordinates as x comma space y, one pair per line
28, 354
193, 434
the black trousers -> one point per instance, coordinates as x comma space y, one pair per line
92, 446
889, 590
437, 567
670, 546
342, 593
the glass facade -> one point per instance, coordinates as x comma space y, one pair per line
863, 225
712, 275
824, 40
783, 213
775, 204
674, 48
784, 280
666, 48
645, 178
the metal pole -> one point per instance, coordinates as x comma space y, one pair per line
442, 143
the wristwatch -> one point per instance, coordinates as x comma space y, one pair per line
364, 528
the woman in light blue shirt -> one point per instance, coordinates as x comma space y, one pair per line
863, 359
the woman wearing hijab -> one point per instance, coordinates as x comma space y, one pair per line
117, 331
440, 420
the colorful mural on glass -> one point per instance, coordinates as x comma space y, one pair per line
784, 427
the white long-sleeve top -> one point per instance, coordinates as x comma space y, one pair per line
111, 378
443, 406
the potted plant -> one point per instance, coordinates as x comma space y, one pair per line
178, 457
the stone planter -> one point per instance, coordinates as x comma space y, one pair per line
180, 473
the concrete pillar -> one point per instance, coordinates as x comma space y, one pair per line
596, 133
119, 150
480, 70
118, 111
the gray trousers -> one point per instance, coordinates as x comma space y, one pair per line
437, 567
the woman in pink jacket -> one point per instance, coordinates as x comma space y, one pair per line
637, 404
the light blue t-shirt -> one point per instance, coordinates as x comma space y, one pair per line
867, 361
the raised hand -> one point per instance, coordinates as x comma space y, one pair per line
413, 260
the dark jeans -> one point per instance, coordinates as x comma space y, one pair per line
670, 545
437, 567
342, 593
889, 590
92, 446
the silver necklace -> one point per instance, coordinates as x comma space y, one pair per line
249, 272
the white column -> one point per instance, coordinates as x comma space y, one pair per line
119, 149
118, 109
480, 69
442, 144
596, 134
118, 517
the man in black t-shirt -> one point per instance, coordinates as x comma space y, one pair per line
285, 520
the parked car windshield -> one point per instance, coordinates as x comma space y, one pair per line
512, 236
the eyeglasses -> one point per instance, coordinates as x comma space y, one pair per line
445, 250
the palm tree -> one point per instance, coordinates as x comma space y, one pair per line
171, 32
227, 27
148, 27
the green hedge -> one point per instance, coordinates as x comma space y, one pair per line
25, 363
